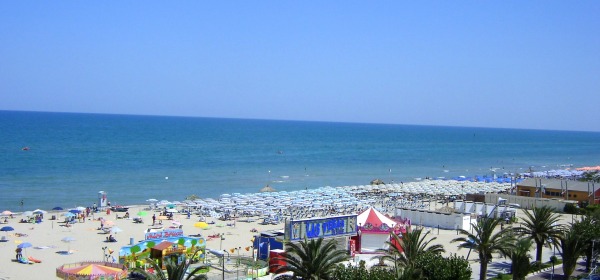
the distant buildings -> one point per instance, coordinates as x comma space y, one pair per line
583, 192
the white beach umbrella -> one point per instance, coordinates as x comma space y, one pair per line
116, 230
39, 211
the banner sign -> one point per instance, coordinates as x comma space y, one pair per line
322, 227
164, 234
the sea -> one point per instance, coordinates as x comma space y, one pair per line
64, 160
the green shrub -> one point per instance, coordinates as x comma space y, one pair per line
571, 208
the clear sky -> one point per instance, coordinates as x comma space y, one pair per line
515, 64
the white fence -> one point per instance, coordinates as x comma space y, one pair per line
528, 202
435, 219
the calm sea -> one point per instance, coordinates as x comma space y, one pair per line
133, 158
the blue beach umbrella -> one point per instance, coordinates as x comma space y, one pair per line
58, 208
69, 214
24, 245
7, 228
74, 211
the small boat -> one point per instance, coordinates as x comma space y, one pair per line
120, 209
25, 149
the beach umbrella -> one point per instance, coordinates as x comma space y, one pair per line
80, 208
7, 228
68, 240
69, 214
116, 230
24, 245
109, 223
267, 188
95, 270
27, 213
57, 208
142, 213
6, 213
172, 211
201, 225
75, 211
39, 211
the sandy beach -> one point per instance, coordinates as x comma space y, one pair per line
48, 245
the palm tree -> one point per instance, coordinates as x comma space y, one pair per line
588, 230
174, 271
485, 242
571, 248
540, 225
312, 259
412, 244
519, 256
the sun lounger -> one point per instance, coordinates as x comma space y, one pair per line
34, 260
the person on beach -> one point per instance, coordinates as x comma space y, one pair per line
153, 219
19, 253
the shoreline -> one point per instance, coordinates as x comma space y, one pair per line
116, 199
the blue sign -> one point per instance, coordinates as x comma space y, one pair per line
323, 227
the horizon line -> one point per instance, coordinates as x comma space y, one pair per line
296, 120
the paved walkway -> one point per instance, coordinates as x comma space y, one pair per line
558, 273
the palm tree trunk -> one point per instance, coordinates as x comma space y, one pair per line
588, 259
483, 270
538, 252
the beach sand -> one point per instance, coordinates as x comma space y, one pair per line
47, 245
46, 239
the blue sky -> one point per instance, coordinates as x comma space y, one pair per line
516, 64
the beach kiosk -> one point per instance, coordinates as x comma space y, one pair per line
162, 245
375, 229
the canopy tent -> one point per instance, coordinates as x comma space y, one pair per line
373, 221
375, 229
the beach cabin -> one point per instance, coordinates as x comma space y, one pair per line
267, 241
